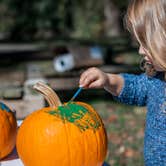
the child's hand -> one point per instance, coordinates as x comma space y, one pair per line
93, 78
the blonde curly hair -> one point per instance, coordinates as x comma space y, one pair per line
146, 19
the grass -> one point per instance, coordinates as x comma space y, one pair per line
125, 131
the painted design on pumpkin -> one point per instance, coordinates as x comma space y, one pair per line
4, 107
77, 114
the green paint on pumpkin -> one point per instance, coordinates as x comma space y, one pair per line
77, 114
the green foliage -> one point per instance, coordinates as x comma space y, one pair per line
5, 18
121, 3
88, 18
33, 19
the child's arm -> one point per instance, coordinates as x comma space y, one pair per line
95, 78
114, 84
134, 90
127, 88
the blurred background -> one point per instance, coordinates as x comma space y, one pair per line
54, 42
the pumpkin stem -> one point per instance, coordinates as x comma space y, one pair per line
48, 93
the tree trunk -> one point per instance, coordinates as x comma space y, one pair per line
112, 15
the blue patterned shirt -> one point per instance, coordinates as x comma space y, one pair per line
142, 90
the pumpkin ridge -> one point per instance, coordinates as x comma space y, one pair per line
68, 144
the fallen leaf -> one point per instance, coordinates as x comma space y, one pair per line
113, 118
129, 153
115, 138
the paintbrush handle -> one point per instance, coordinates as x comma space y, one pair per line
76, 94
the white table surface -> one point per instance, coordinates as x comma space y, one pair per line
16, 162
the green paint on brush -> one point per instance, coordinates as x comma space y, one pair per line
77, 114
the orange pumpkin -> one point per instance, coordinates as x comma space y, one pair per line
69, 134
8, 130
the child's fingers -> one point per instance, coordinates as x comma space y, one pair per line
96, 84
89, 80
84, 76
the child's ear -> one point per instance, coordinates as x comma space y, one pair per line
149, 69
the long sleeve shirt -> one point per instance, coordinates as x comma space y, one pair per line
142, 90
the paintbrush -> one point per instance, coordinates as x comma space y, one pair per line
76, 94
